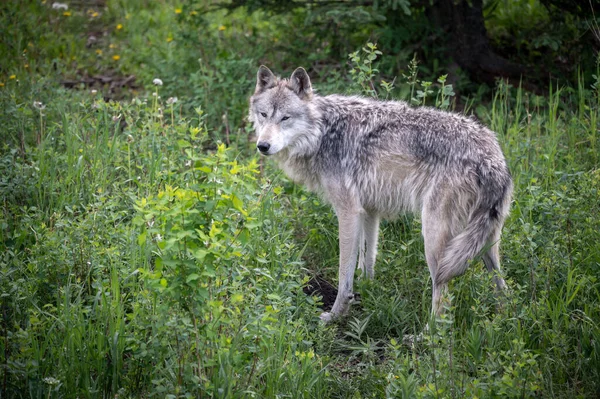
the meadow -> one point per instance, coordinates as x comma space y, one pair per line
147, 251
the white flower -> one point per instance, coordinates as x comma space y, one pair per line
51, 381
60, 6
39, 105
157, 82
171, 100
94, 91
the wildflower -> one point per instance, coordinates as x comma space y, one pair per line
222, 28
1, 84
193, 12
94, 91
39, 105
119, 26
26, 66
51, 381
60, 6
67, 13
12, 77
98, 51
112, 45
169, 39
116, 57
129, 138
171, 100
157, 82
178, 10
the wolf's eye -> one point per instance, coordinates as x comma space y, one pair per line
263, 114
285, 118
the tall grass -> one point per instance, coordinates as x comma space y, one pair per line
142, 257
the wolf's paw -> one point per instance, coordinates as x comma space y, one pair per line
326, 317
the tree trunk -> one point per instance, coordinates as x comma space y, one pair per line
468, 42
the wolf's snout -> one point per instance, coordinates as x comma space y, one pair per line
263, 147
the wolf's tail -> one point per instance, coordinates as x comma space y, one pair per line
491, 209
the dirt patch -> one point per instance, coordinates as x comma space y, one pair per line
110, 85
318, 286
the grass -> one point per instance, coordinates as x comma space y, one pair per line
143, 257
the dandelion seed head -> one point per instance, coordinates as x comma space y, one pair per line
171, 100
157, 82
39, 105
60, 6
51, 381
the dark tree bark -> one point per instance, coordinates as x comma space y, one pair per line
468, 43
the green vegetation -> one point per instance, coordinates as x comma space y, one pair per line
146, 251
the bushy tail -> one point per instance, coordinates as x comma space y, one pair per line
484, 221
465, 246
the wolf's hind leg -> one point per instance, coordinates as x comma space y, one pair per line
436, 234
491, 259
368, 245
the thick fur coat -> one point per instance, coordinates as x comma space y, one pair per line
376, 159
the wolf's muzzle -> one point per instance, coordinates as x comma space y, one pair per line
263, 147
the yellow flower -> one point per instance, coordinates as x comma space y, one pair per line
26, 66
112, 46
98, 51
1, 84
94, 14
222, 27
12, 77
119, 26
178, 10
193, 13
67, 13
169, 39
116, 57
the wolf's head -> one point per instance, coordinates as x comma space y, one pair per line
281, 111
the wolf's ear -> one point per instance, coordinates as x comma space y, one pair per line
300, 84
265, 79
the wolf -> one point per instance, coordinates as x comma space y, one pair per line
374, 160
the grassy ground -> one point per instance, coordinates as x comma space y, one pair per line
147, 252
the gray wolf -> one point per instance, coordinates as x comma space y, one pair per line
376, 159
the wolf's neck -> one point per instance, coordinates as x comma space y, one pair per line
301, 168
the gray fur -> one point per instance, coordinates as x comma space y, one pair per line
376, 159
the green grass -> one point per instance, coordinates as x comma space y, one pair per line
142, 257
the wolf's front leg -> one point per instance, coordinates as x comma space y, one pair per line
368, 245
350, 228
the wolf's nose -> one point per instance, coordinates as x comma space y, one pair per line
263, 147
